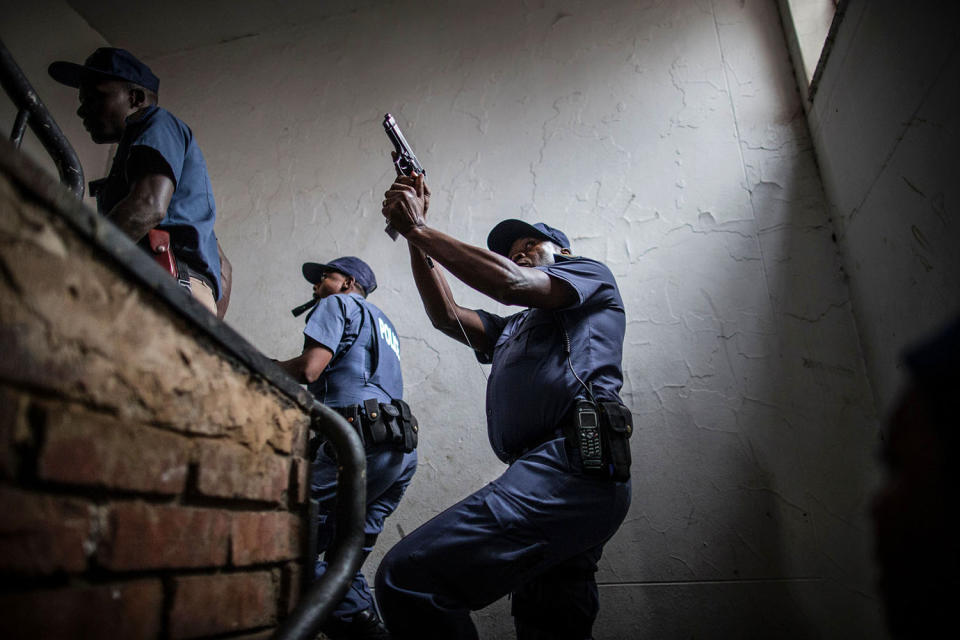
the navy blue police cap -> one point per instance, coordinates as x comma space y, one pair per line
106, 63
503, 235
351, 266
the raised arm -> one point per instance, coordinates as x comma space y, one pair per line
458, 322
484, 270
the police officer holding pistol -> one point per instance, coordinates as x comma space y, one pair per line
553, 415
351, 363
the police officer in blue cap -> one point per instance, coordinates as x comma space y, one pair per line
159, 178
553, 415
351, 363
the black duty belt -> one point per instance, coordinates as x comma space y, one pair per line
564, 429
383, 422
602, 442
552, 435
193, 273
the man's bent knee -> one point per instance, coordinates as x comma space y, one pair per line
388, 594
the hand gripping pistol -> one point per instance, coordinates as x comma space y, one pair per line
406, 162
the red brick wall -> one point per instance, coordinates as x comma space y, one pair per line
150, 487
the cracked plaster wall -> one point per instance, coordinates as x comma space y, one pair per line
667, 139
886, 127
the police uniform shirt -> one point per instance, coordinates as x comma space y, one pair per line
366, 351
531, 388
191, 214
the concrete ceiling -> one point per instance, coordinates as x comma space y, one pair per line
153, 29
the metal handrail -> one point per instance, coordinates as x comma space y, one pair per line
31, 111
345, 554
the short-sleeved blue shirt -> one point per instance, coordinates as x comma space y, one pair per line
531, 387
366, 351
192, 212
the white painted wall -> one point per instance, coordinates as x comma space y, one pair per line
810, 20
886, 124
36, 34
667, 139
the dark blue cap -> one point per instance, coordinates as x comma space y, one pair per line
503, 235
106, 63
356, 268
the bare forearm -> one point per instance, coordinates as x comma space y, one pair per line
136, 217
303, 368
295, 367
145, 206
308, 366
434, 291
485, 271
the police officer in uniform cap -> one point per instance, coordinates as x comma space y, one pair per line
538, 530
351, 363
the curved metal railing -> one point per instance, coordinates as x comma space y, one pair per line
345, 554
31, 111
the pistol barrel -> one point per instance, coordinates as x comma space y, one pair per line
406, 162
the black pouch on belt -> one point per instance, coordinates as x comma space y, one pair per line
375, 421
617, 428
409, 426
391, 430
391, 423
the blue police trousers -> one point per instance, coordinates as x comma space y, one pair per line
537, 531
388, 474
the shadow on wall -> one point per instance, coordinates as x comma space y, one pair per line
768, 469
806, 422
755, 452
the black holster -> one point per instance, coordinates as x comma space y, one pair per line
616, 427
400, 424
615, 424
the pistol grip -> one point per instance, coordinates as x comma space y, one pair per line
390, 231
